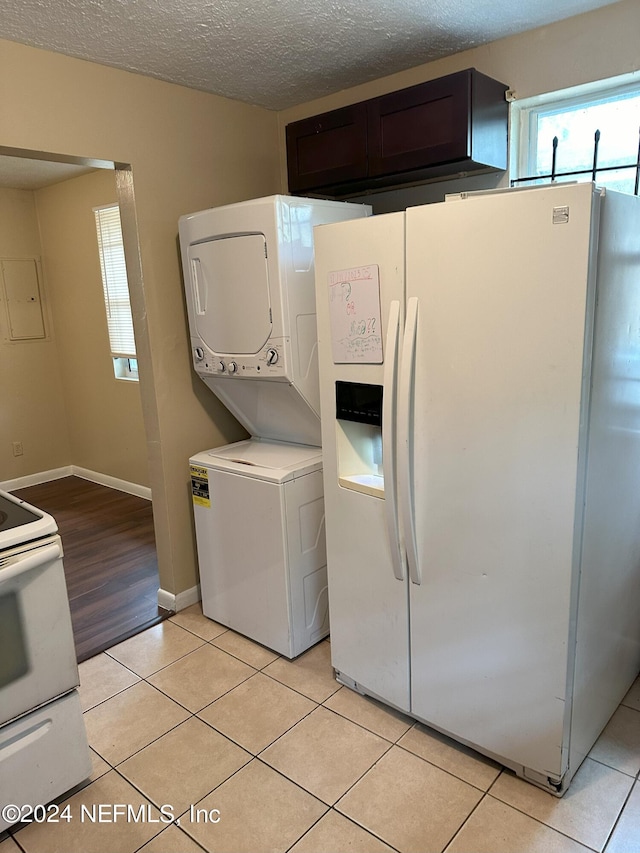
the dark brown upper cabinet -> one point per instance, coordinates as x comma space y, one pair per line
328, 149
439, 129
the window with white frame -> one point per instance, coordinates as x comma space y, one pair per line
115, 288
594, 125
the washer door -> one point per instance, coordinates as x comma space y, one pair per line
232, 304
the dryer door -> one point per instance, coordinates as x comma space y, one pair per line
232, 304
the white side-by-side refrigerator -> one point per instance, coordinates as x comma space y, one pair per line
480, 381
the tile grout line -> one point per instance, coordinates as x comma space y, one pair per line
617, 820
538, 820
450, 772
464, 822
296, 690
161, 668
350, 820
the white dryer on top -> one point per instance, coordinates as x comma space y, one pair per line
250, 292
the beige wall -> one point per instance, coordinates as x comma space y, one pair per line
104, 414
187, 151
582, 49
32, 409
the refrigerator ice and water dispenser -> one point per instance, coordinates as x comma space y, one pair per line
359, 437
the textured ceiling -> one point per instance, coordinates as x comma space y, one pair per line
273, 53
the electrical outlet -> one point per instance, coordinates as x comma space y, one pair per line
17, 448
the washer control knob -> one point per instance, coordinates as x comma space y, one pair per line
198, 353
233, 367
272, 356
221, 366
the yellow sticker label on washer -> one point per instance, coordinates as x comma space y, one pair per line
200, 485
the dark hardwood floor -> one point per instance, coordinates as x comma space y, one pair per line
109, 560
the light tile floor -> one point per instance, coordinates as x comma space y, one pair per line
252, 752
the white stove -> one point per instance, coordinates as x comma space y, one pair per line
20, 522
43, 743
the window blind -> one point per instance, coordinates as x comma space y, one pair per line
114, 282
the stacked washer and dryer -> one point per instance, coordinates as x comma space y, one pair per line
258, 504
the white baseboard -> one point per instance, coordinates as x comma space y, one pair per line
174, 603
112, 482
36, 479
76, 471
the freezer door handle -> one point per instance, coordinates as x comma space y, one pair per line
389, 408
405, 443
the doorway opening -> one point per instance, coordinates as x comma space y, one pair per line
70, 421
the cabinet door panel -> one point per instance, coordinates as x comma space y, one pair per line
420, 126
327, 149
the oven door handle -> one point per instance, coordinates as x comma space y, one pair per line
22, 563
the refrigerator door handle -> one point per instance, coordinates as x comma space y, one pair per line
405, 444
389, 400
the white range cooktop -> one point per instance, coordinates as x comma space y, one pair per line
21, 523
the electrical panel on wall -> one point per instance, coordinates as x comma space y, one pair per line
21, 292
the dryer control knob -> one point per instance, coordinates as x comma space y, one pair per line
272, 356
221, 366
233, 367
198, 353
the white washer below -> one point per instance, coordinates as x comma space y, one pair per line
259, 517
